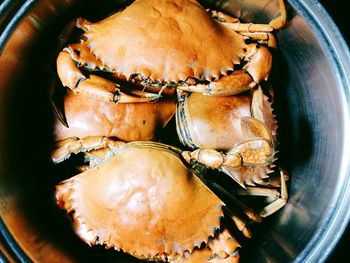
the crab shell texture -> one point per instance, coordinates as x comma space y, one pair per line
88, 116
215, 122
143, 201
167, 41
222, 242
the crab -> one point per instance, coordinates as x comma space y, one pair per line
219, 123
125, 62
215, 122
211, 124
157, 45
120, 201
89, 116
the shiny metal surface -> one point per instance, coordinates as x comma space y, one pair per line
312, 91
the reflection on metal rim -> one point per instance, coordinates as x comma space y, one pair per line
338, 216
327, 236
11, 25
16, 254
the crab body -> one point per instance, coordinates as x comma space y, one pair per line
167, 50
164, 24
134, 200
88, 116
215, 122
221, 123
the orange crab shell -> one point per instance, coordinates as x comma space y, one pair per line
143, 201
87, 116
215, 122
169, 43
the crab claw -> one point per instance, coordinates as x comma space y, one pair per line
253, 128
72, 78
82, 56
257, 69
74, 145
232, 84
67, 70
212, 158
281, 20
262, 110
255, 151
259, 62
234, 24
109, 91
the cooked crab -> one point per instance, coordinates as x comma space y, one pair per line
173, 43
215, 122
141, 198
211, 124
120, 198
89, 116
255, 150
219, 123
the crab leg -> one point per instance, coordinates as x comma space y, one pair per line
279, 202
259, 191
212, 158
75, 145
235, 83
255, 128
248, 27
259, 32
107, 90
281, 20
262, 110
259, 62
83, 57
83, 24
234, 201
255, 151
67, 70
239, 222
278, 199
222, 17
257, 69
266, 38
234, 24
251, 175
74, 79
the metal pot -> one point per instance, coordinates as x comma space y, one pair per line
312, 106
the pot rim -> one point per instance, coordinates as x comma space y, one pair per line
337, 218
11, 13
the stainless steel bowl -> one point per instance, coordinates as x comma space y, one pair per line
312, 91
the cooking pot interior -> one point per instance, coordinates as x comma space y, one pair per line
310, 108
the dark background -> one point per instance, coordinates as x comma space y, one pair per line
341, 15
338, 10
